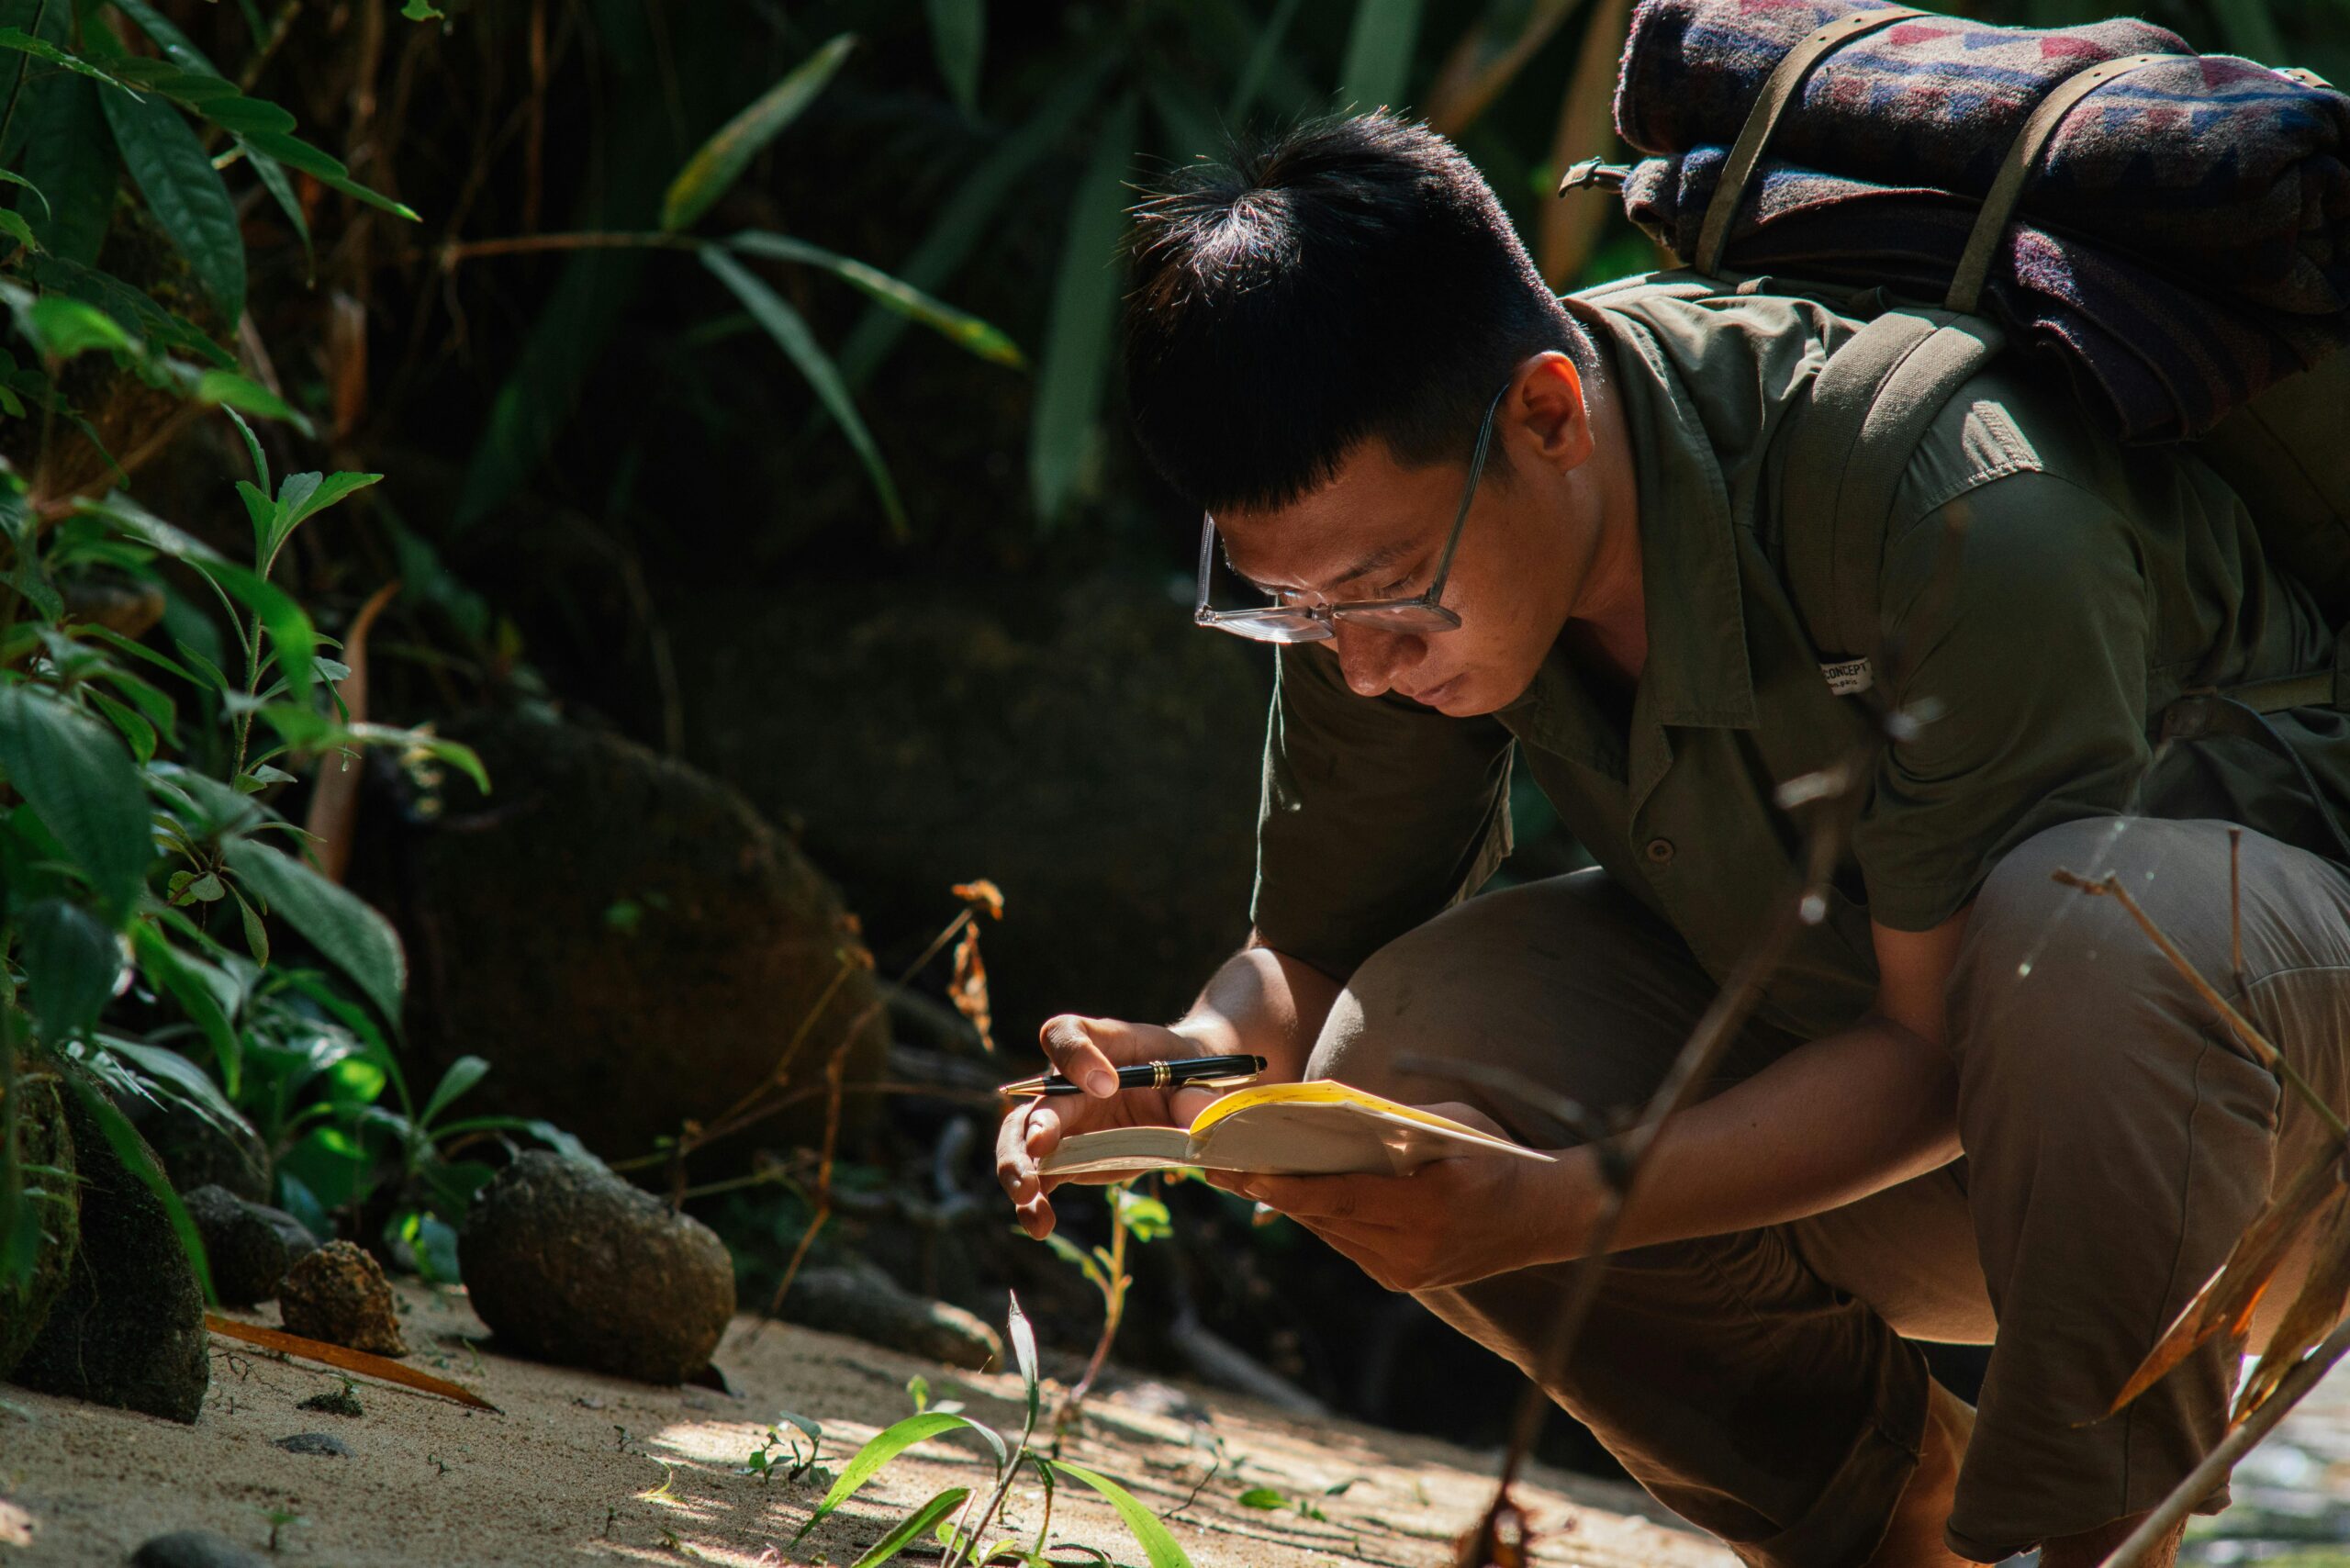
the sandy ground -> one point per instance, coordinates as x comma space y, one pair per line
589, 1468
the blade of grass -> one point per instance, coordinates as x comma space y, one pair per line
1078, 343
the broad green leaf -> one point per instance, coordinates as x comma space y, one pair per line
150, 530
81, 783
887, 1445
168, 969
1379, 55
14, 226
338, 923
422, 11
911, 1529
790, 333
130, 722
462, 1074
959, 326
721, 161
62, 328
303, 496
1263, 1497
1078, 343
1157, 1544
185, 192
71, 962
183, 1080
216, 387
140, 1160
131, 309
969, 213
959, 37
152, 705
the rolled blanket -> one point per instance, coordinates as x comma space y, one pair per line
2186, 243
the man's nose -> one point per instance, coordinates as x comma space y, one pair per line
1371, 659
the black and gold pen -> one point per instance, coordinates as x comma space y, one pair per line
1208, 1073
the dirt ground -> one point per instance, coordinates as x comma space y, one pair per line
581, 1467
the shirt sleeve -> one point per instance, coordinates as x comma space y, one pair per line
2022, 641
1377, 815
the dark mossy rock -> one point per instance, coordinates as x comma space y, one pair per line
43, 1139
620, 936
246, 1245
128, 1329
197, 1152
858, 1299
339, 1295
566, 1261
193, 1549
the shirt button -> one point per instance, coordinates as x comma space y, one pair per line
1660, 850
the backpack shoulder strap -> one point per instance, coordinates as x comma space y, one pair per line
1848, 448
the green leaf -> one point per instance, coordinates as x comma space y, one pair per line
959, 326
422, 11
82, 786
185, 192
133, 724
959, 36
722, 160
169, 969
1023, 1352
257, 932
911, 1529
1379, 55
296, 154
887, 1445
62, 328
462, 1074
337, 923
289, 629
10, 177
303, 496
70, 961
216, 387
792, 334
183, 1080
23, 43
1262, 1497
1157, 1544
13, 225
1076, 364
150, 530
140, 1160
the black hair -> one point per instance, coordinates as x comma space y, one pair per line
1346, 280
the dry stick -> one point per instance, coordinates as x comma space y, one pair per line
834, 1070
2216, 1464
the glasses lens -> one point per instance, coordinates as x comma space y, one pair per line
1416, 616
1274, 624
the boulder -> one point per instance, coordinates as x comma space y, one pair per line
199, 1152
339, 1295
243, 1242
623, 939
858, 1299
127, 1329
565, 1261
193, 1549
43, 1139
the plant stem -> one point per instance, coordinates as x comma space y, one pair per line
605, 239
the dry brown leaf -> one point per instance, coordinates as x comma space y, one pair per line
968, 989
347, 1360
1570, 229
1488, 59
981, 894
2312, 1316
2228, 1299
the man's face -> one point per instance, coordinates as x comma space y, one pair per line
1378, 529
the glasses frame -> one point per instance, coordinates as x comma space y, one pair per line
1316, 622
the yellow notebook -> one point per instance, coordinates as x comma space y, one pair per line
1318, 1128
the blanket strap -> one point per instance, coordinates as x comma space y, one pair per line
1778, 91
2015, 172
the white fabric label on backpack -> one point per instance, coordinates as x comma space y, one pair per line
1849, 677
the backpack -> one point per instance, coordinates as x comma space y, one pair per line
2285, 451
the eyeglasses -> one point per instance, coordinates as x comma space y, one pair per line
1314, 620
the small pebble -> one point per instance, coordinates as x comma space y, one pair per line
317, 1443
334, 1402
193, 1549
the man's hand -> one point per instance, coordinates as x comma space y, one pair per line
1448, 1222
1086, 1051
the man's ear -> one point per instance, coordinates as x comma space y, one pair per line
1546, 402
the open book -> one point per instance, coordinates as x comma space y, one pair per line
1318, 1128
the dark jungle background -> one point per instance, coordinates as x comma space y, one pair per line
769, 530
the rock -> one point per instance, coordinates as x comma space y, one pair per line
859, 1300
248, 1254
43, 1139
193, 1549
300, 1242
1090, 751
622, 936
566, 1261
319, 1443
127, 1329
339, 1295
197, 1152
334, 1402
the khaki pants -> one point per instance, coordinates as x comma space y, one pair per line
1759, 1383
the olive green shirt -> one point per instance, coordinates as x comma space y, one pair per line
2092, 585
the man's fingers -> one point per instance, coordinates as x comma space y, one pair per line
1069, 1046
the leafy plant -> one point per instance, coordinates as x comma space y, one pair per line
762, 1462
975, 1511
1136, 1218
